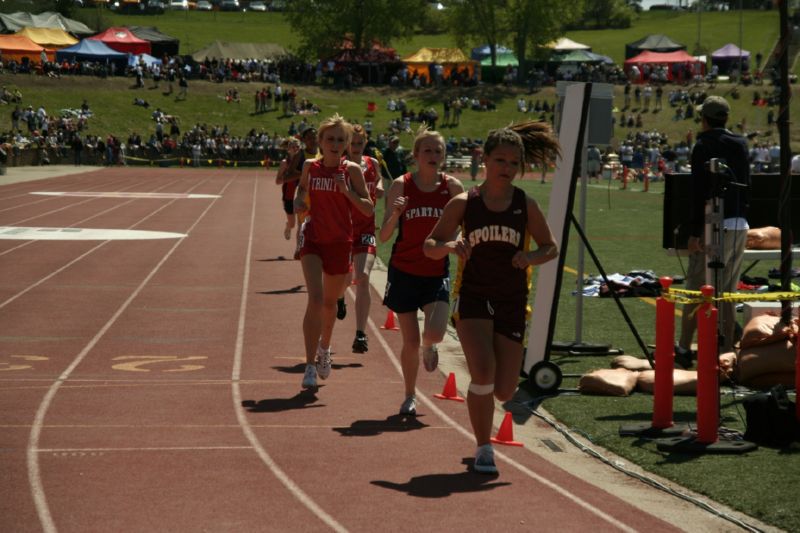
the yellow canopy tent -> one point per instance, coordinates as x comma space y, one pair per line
18, 46
449, 58
48, 37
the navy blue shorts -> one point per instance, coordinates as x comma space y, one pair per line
406, 292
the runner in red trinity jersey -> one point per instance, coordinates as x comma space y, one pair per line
363, 236
334, 187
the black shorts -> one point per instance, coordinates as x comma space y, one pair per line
288, 207
406, 292
509, 316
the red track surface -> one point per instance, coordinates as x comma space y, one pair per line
155, 386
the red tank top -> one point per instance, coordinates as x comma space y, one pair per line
362, 224
329, 218
422, 212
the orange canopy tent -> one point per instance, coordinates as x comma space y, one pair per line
123, 40
18, 46
449, 58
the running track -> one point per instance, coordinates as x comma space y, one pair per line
153, 385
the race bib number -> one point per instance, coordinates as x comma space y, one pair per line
367, 239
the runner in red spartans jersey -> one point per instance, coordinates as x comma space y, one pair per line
497, 221
363, 237
334, 186
414, 205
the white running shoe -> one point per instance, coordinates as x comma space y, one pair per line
430, 357
484, 460
323, 362
310, 377
409, 406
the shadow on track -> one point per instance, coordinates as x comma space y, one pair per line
301, 400
444, 485
371, 428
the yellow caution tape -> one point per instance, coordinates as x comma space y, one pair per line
683, 296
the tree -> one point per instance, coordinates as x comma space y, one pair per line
324, 24
523, 25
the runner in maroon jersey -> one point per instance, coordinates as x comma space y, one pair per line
334, 187
363, 236
490, 309
414, 204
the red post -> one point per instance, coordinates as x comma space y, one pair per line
646, 178
707, 371
219, 163
665, 357
624, 177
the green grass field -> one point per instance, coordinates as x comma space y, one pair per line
623, 226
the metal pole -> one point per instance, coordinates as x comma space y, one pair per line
784, 210
582, 214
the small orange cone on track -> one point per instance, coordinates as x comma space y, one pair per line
505, 434
449, 392
389, 324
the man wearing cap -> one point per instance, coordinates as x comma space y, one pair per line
716, 141
394, 158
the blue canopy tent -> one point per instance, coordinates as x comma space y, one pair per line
93, 51
149, 60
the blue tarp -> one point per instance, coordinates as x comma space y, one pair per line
91, 50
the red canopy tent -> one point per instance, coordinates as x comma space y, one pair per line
680, 65
122, 40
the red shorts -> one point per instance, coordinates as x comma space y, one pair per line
364, 244
336, 256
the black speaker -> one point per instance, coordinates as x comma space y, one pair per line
763, 211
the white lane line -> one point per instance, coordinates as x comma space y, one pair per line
88, 252
27, 193
468, 434
34, 471
14, 248
144, 449
236, 392
24, 233
119, 194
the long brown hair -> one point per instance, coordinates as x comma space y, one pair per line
535, 139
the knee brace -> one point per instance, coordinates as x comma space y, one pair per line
481, 390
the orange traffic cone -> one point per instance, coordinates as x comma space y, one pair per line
505, 434
450, 392
389, 324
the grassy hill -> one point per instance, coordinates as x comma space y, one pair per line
196, 29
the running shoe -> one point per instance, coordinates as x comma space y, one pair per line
430, 357
409, 406
287, 233
323, 362
484, 460
310, 377
341, 309
360, 343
